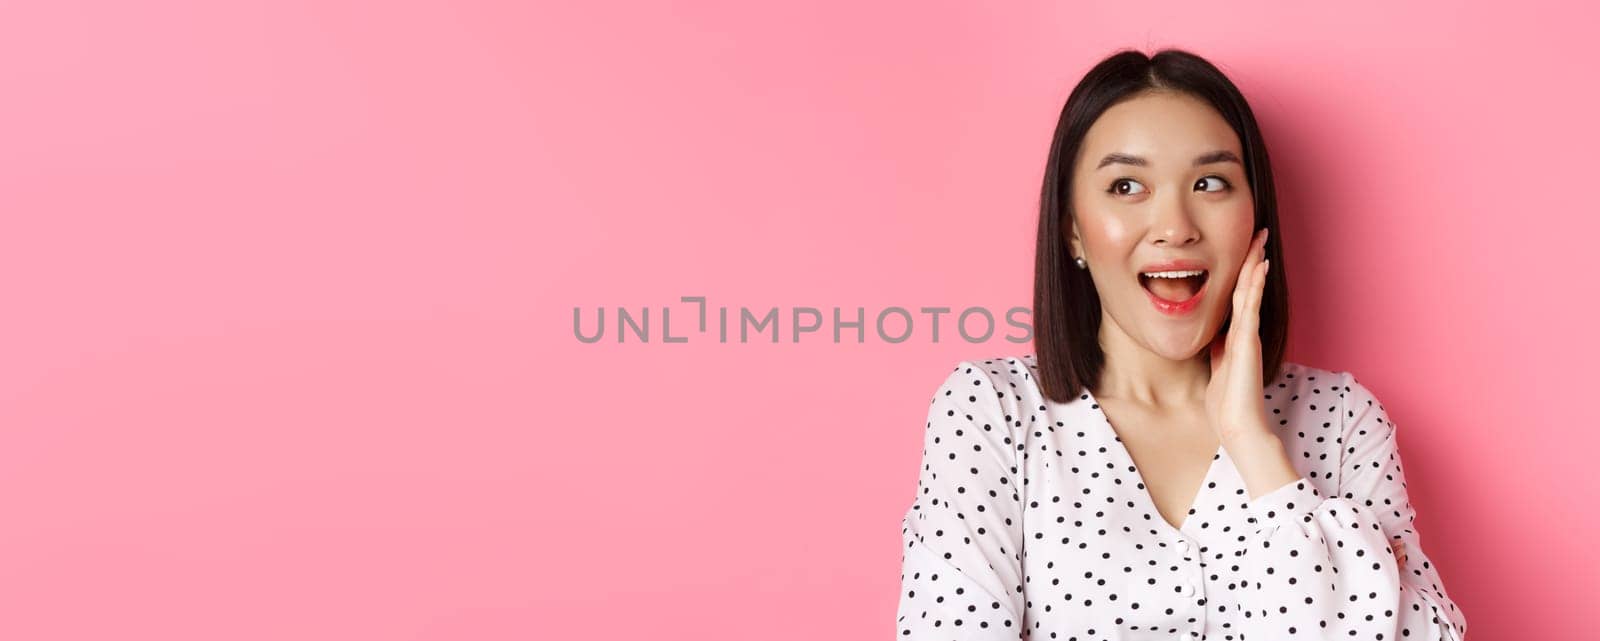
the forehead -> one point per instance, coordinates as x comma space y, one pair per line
1167, 128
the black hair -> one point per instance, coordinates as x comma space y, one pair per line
1066, 306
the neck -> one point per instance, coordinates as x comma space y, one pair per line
1133, 373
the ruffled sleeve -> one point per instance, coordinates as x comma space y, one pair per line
1322, 566
962, 536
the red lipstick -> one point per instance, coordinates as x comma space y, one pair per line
1177, 308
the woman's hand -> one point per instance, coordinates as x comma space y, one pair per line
1234, 404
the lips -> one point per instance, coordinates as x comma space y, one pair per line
1190, 293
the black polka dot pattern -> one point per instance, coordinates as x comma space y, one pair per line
1032, 522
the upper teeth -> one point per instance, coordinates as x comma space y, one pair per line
1186, 274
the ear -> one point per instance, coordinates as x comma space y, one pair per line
1074, 244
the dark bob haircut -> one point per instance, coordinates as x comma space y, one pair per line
1066, 307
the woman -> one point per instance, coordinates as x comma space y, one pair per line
1157, 470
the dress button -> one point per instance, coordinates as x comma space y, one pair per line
1183, 546
1187, 590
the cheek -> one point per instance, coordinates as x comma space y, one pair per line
1243, 213
1236, 228
1105, 232
1239, 210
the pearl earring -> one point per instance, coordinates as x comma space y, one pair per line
1082, 264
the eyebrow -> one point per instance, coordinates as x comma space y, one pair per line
1203, 159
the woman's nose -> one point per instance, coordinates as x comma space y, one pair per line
1174, 226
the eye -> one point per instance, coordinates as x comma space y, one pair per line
1116, 186
1218, 179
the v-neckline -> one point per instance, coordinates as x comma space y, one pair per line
1144, 491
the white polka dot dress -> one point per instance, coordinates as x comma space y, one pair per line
1032, 522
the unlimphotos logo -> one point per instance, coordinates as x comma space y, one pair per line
890, 325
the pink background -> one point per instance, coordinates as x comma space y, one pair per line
288, 287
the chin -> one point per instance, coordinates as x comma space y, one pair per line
1174, 348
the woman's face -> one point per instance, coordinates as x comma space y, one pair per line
1160, 178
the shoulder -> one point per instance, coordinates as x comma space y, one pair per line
1303, 396
1362, 410
1012, 375
1310, 387
1001, 386
1335, 390
1303, 378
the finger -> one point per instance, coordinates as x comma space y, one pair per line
1257, 292
1241, 284
1245, 284
1258, 283
1253, 258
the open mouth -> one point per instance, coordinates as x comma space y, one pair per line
1174, 289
